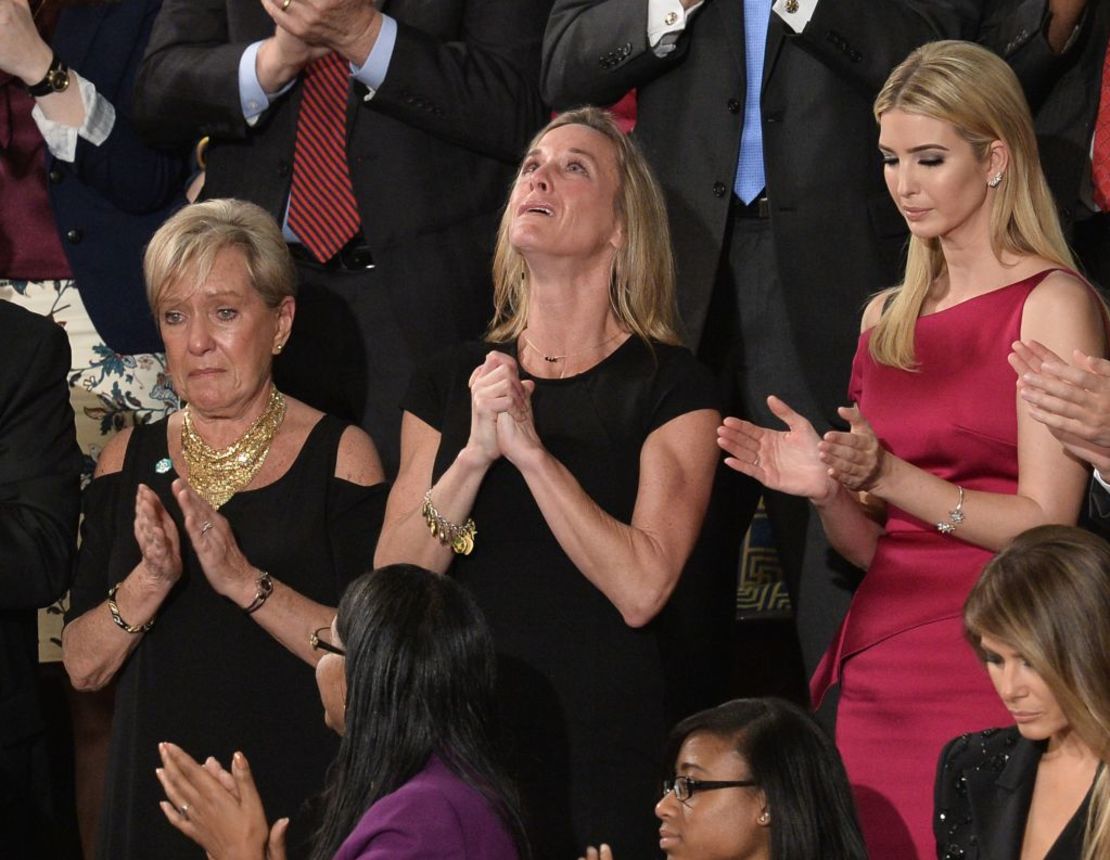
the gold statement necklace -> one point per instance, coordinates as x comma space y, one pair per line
217, 475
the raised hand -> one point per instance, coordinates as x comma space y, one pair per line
223, 563
23, 53
782, 460
856, 459
157, 537
348, 27
604, 853
228, 825
1071, 400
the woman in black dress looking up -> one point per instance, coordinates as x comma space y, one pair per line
561, 471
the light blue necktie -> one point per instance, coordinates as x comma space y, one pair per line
749, 171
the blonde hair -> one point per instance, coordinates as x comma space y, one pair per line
641, 289
975, 91
187, 245
1047, 596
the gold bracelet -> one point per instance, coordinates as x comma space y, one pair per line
262, 593
118, 619
459, 538
955, 516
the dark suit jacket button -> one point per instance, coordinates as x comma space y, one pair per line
55, 176
74, 236
734, 105
719, 189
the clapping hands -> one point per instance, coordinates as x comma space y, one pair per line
501, 422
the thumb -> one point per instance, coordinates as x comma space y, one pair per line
529, 386
785, 414
853, 416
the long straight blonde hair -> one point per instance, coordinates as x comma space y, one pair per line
1047, 596
976, 92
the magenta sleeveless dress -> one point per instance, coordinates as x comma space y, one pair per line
909, 680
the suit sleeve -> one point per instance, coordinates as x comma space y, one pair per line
40, 468
859, 39
481, 91
188, 84
133, 176
595, 51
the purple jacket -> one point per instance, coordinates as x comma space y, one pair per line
433, 816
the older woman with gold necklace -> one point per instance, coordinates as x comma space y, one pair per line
218, 541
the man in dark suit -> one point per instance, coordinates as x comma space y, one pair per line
40, 467
441, 100
761, 132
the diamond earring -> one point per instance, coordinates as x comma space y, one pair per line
995, 180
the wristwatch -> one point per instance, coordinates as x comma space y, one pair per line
56, 80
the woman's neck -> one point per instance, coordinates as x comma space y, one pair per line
220, 428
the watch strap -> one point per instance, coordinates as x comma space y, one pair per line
55, 80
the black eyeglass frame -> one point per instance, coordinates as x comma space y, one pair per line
685, 787
319, 644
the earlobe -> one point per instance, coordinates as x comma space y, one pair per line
764, 818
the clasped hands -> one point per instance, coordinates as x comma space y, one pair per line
223, 563
798, 461
501, 422
305, 30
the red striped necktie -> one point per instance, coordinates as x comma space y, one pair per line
322, 208
1100, 157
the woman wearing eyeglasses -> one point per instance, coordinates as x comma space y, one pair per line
754, 779
407, 680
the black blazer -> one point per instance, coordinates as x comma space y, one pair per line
109, 201
837, 234
983, 791
40, 468
431, 154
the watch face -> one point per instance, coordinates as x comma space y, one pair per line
58, 79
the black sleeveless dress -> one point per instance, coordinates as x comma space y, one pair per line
582, 693
206, 676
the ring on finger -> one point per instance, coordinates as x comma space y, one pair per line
184, 810
285, 4
205, 527
755, 462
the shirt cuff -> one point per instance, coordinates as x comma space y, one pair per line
252, 98
795, 13
666, 21
61, 139
1099, 478
372, 72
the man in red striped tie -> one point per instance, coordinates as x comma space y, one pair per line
381, 136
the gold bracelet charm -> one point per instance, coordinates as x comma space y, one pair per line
459, 538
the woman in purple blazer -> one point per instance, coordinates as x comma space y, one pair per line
408, 681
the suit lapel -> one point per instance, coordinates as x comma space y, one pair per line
1000, 804
776, 36
730, 19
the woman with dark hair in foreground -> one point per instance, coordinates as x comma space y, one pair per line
1039, 617
754, 779
407, 679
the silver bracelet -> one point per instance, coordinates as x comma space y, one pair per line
955, 516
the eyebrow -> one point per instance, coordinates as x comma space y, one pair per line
573, 149
922, 148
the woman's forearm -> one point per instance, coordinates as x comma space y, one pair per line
406, 535
291, 618
989, 520
851, 531
94, 646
